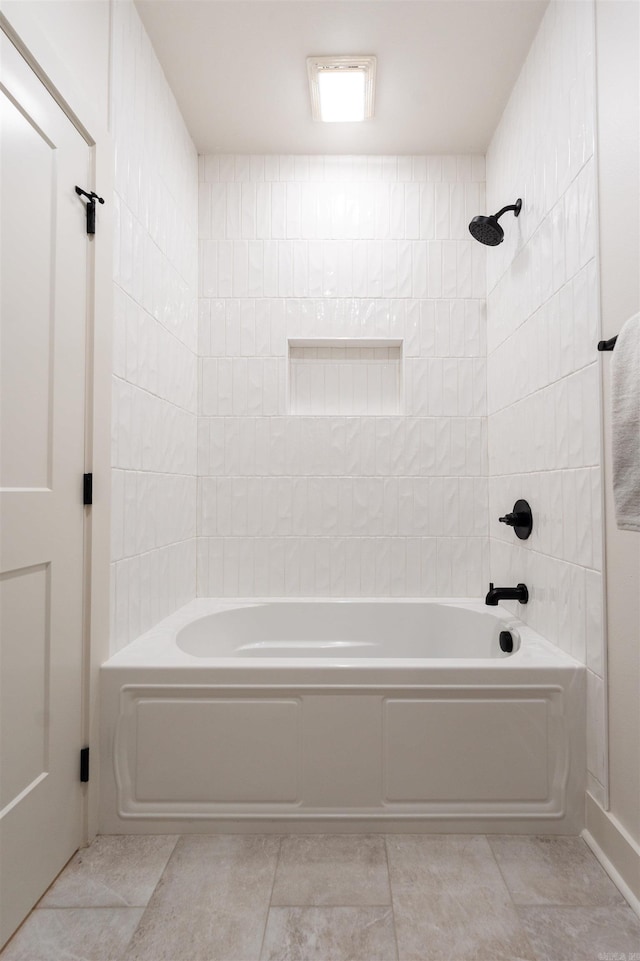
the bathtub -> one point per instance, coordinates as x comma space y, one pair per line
441, 715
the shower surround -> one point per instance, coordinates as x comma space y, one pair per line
349, 288
345, 287
543, 373
155, 334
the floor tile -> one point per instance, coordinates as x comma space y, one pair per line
114, 871
73, 934
329, 934
582, 933
211, 903
546, 870
332, 870
450, 901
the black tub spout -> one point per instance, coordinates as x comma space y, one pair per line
495, 594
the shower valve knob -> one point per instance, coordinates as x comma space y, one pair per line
520, 519
512, 519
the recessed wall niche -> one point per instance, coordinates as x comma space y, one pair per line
345, 376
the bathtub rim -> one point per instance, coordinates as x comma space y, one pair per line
158, 648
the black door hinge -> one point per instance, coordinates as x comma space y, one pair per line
91, 207
84, 765
87, 489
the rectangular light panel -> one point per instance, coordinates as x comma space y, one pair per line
342, 88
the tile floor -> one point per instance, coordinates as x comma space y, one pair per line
330, 898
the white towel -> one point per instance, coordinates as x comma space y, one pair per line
625, 417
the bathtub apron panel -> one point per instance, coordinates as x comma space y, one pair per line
197, 742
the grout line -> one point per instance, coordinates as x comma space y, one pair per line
538, 225
393, 912
168, 330
163, 400
536, 391
161, 547
162, 473
273, 884
329, 907
542, 304
332, 536
591, 906
148, 235
90, 907
508, 890
145, 908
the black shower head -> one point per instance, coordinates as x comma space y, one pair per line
487, 229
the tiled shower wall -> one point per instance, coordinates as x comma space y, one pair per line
543, 328
341, 500
155, 339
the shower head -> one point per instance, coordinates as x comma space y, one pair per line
487, 229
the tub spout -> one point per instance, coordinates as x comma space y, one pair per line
495, 594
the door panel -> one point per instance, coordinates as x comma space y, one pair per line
28, 170
24, 682
43, 317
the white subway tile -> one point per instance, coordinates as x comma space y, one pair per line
434, 268
278, 211
293, 222
233, 193
270, 279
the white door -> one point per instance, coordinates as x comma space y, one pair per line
43, 315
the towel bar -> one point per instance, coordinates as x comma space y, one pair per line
607, 344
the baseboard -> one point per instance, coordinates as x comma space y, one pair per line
615, 849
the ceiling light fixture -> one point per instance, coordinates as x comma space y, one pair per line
341, 88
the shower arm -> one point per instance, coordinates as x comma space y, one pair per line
517, 207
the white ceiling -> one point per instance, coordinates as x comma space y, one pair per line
444, 72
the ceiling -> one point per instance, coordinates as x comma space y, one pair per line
238, 70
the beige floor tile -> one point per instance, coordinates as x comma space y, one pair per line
211, 903
73, 934
114, 871
329, 934
450, 901
582, 933
548, 870
332, 870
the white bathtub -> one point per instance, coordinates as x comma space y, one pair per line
300, 715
